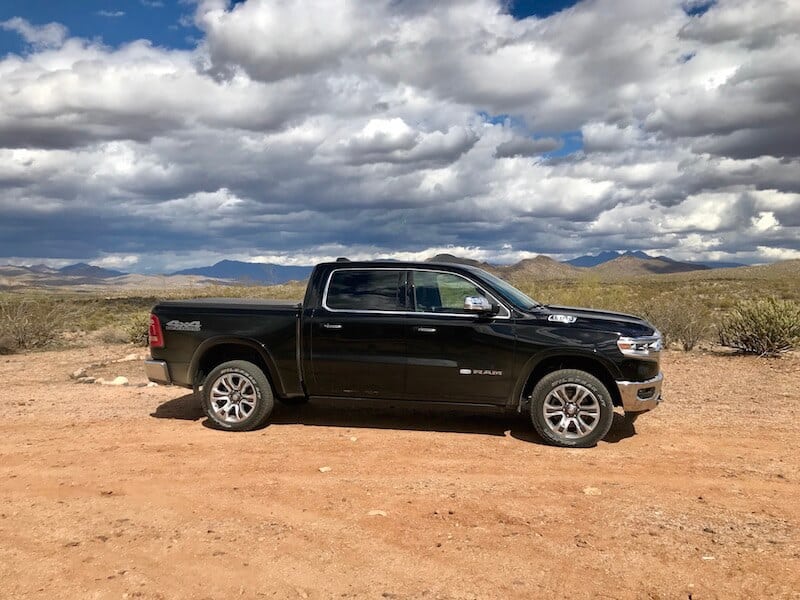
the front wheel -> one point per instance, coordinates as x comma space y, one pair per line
237, 396
571, 408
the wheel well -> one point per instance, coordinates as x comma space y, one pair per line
221, 353
557, 363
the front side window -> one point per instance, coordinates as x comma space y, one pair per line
442, 292
366, 289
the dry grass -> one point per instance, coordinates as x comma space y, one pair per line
687, 307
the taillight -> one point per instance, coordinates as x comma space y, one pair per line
156, 336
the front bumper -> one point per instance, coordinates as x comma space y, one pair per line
639, 396
157, 371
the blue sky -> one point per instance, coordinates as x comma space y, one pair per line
163, 22
148, 136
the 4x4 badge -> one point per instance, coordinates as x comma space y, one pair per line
175, 325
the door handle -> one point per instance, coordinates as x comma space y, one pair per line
332, 325
425, 329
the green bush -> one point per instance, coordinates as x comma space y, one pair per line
765, 327
137, 328
680, 319
28, 323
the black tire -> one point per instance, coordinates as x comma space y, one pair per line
579, 405
250, 396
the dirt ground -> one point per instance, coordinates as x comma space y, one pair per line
123, 492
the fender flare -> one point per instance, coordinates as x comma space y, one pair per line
272, 370
516, 400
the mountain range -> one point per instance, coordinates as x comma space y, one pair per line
594, 260
263, 273
605, 264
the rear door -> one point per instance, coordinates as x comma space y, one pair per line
358, 337
455, 356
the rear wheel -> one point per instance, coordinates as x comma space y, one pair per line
237, 396
571, 408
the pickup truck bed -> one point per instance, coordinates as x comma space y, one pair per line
269, 328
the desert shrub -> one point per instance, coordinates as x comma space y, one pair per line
136, 328
681, 319
766, 327
112, 335
28, 323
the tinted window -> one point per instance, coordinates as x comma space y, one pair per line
367, 290
442, 292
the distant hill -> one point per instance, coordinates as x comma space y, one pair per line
716, 264
591, 260
629, 265
236, 270
43, 269
81, 270
540, 267
784, 269
87, 277
594, 260
449, 258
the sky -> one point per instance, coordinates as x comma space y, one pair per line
154, 135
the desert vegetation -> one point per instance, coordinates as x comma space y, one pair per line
765, 327
752, 310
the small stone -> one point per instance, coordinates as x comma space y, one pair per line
325, 469
592, 491
708, 530
353, 439
708, 558
116, 381
377, 513
152, 384
86, 380
78, 374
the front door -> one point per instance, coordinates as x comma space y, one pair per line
358, 337
455, 356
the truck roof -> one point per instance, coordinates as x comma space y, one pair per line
398, 264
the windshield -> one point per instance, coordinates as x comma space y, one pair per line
509, 292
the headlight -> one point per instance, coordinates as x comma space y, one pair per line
641, 347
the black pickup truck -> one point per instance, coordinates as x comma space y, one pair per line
410, 332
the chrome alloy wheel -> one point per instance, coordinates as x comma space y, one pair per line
233, 397
571, 411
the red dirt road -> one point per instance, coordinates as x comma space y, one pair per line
122, 492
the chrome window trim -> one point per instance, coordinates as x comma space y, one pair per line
478, 286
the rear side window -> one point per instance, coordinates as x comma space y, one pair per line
366, 290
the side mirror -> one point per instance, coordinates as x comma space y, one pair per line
480, 306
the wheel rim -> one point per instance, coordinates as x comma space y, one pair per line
233, 397
571, 411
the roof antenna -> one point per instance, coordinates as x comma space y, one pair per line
342, 259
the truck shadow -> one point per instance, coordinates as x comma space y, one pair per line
379, 415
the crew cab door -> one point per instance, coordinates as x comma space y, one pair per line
453, 355
358, 337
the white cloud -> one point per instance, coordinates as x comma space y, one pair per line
116, 261
301, 131
51, 35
